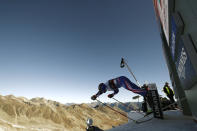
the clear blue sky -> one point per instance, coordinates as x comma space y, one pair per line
62, 50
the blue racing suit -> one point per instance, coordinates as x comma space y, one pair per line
122, 81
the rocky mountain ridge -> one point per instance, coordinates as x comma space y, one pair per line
22, 114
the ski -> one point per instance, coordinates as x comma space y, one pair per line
116, 111
138, 121
172, 104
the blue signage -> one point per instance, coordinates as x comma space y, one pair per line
184, 67
173, 37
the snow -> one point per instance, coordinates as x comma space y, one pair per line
173, 120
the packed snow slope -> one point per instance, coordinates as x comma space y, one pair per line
39, 114
173, 121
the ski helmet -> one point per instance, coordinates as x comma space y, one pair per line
102, 87
89, 121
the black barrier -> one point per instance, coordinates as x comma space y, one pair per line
154, 98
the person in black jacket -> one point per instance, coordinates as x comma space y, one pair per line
147, 100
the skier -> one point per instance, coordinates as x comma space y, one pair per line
114, 84
169, 92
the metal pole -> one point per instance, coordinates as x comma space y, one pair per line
138, 104
131, 72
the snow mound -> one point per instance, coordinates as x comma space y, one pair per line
173, 121
135, 115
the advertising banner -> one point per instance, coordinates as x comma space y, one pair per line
161, 8
184, 67
173, 38
154, 97
177, 27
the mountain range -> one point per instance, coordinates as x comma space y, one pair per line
22, 114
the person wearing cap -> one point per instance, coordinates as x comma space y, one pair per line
169, 92
90, 126
115, 84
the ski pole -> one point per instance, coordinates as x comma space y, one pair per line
116, 111
126, 105
123, 104
122, 64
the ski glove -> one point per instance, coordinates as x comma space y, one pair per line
93, 97
110, 95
